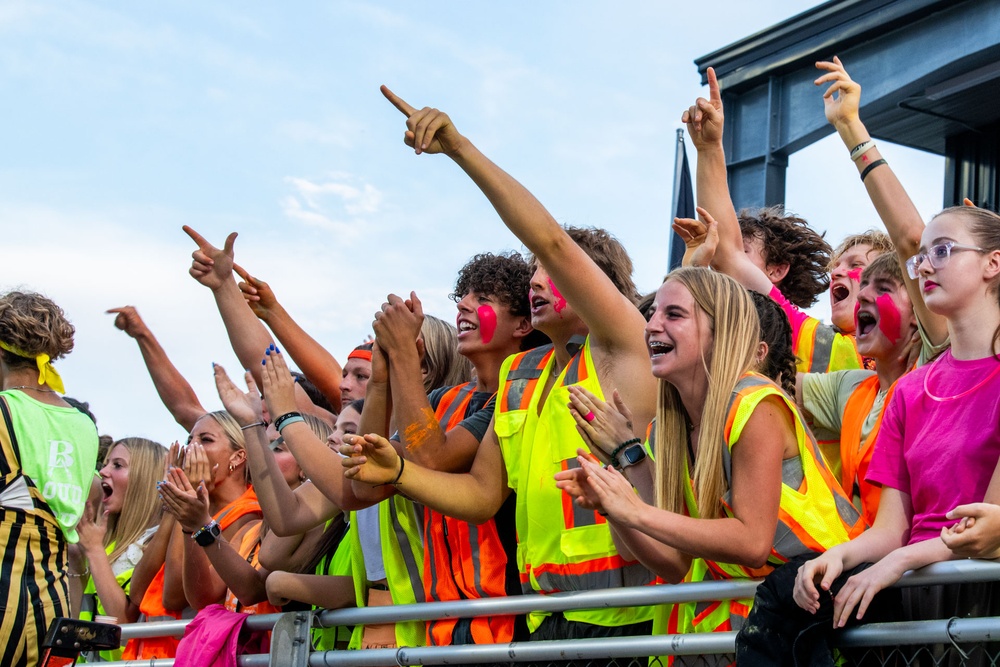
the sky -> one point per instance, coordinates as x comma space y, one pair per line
122, 121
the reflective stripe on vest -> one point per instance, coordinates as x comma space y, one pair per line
814, 514
463, 560
856, 455
820, 349
561, 547
408, 633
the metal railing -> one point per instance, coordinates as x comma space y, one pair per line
596, 651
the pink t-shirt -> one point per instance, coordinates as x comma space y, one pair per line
941, 453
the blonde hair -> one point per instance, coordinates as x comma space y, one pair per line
736, 333
141, 506
877, 240
445, 366
233, 433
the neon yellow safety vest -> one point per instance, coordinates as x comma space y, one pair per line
814, 514
820, 349
403, 558
561, 546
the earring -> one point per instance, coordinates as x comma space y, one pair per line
231, 468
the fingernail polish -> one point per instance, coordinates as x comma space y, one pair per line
263, 362
277, 350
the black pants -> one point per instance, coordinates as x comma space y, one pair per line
779, 632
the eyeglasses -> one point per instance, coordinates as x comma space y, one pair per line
937, 255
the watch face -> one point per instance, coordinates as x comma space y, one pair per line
634, 454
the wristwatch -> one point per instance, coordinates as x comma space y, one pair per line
630, 456
207, 534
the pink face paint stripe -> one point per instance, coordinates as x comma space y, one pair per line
855, 274
857, 307
560, 303
487, 322
889, 318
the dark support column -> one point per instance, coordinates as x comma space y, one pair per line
972, 167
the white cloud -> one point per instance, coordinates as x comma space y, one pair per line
339, 203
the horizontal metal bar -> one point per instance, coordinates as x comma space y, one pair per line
961, 571
885, 634
964, 630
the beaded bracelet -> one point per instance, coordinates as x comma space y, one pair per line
619, 448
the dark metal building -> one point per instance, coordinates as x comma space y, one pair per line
930, 73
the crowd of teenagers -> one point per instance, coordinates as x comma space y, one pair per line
566, 434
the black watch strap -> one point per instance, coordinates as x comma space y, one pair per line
207, 534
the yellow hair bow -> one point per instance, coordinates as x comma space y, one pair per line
47, 373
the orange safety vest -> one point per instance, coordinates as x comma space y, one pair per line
561, 546
463, 560
855, 454
152, 608
250, 549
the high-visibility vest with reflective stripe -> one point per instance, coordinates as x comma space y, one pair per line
561, 546
814, 513
855, 455
820, 349
463, 560
403, 559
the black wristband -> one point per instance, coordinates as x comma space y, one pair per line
285, 417
619, 448
876, 163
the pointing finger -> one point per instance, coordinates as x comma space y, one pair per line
196, 237
713, 87
397, 101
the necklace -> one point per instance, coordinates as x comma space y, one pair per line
24, 386
944, 399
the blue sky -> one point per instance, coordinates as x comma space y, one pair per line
123, 121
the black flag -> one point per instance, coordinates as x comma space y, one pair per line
683, 201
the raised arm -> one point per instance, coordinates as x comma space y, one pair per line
320, 464
842, 100
612, 319
213, 268
313, 359
704, 122
423, 440
288, 512
175, 392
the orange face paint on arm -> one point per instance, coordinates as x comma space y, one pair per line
418, 433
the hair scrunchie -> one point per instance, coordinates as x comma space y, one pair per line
47, 373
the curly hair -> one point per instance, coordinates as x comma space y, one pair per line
775, 330
788, 239
35, 325
878, 241
505, 277
608, 253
